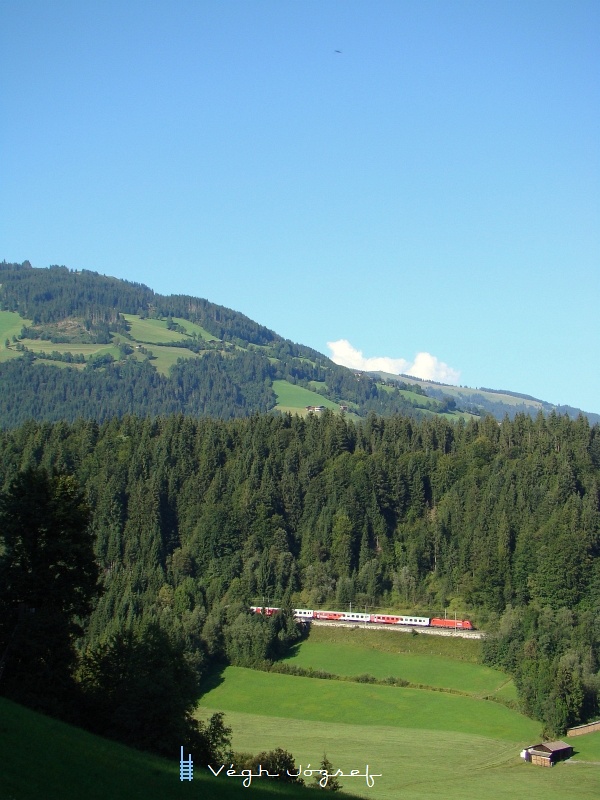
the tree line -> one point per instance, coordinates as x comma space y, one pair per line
137, 683
193, 520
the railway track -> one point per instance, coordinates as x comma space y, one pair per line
400, 629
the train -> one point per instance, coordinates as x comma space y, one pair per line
307, 614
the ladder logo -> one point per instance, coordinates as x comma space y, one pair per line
186, 767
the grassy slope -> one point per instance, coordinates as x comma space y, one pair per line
417, 765
44, 758
7, 355
586, 747
10, 325
439, 672
464, 391
146, 331
192, 327
426, 744
153, 331
296, 398
388, 641
44, 346
165, 357
365, 705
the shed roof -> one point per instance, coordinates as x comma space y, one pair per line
551, 747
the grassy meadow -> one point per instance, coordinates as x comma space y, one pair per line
10, 325
192, 327
163, 358
41, 758
296, 398
425, 743
6, 354
87, 350
440, 672
154, 331
367, 705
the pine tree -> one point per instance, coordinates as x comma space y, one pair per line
48, 578
325, 779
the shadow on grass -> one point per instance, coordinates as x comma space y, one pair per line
291, 652
212, 679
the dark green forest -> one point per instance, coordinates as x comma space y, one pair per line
47, 296
193, 520
156, 507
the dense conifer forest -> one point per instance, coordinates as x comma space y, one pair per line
186, 502
194, 520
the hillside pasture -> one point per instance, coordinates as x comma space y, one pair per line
44, 758
366, 705
464, 392
192, 327
587, 747
396, 641
439, 661
440, 672
164, 357
414, 764
152, 331
10, 325
296, 398
87, 350
8, 354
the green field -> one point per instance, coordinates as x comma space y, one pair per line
392, 641
349, 660
416, 765
10, 325
165, 357
425, 743
44, 346
246, 690
296, 398
7, 355
148, 331
191, 327
152, 331
43, 759
586, 747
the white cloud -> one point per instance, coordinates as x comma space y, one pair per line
423, 366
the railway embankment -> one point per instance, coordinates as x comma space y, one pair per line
400, 629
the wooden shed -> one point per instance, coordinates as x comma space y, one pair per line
547, 754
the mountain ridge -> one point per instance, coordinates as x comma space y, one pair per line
210, 360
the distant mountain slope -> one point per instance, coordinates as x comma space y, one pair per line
498, 402
129, 350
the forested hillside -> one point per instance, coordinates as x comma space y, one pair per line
125, 349
76, 344
194, 518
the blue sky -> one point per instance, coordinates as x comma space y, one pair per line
430, 195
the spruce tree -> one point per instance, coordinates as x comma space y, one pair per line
325, 779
